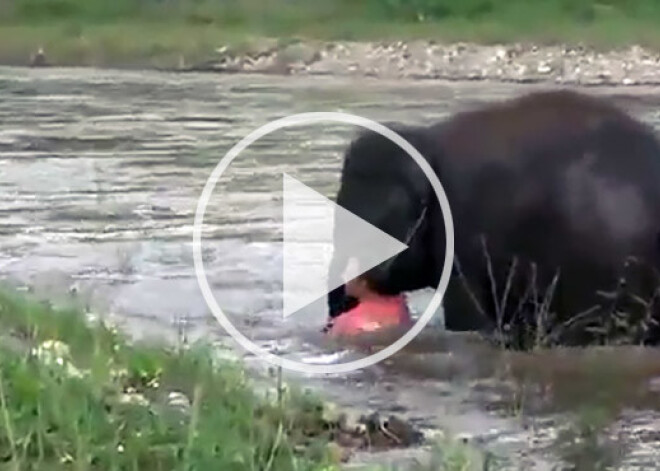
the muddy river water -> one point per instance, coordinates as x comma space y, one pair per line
100, 173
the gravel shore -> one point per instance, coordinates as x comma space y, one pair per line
430, 60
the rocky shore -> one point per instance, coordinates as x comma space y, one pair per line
570, 65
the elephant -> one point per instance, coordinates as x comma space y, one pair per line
555, 202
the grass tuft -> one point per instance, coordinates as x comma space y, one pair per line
75, 395
162, 32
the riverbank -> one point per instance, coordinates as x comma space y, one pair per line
75, 394
418, 59
580, 43
428, 60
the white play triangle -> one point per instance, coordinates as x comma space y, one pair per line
309, 220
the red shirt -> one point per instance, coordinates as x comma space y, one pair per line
372, 314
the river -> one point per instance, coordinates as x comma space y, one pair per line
101, 171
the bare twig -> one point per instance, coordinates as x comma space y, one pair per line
544, 311
469, 290
491, 277
389, 434
526, 295
578, 317
509, 282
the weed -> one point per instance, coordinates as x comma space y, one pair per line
76, 395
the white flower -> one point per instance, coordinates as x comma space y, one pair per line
56, 353
118, 373
133, 398
50, 350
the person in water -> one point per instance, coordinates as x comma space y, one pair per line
373, 311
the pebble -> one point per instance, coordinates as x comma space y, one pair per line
178, 400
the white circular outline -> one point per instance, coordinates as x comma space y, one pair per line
310, 118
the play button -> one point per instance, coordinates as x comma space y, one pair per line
308, 224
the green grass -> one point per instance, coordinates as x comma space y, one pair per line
75, 395
161, 32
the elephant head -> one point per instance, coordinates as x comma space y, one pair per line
385, 186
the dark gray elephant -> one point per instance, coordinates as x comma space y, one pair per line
560, 181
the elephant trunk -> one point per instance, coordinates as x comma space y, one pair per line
338, 301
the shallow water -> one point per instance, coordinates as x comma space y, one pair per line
100, 176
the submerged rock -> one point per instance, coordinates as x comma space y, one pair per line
38, 59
